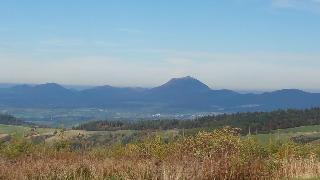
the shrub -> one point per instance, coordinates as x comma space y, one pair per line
17, 147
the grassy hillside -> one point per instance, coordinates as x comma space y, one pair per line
285, 135
126, 136
12, 129
92, 138
301, 129
19, 131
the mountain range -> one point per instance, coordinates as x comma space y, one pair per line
178, 94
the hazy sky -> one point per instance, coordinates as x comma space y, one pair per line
236, 44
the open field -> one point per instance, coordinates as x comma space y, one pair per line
314, 128
285, 135
20, 131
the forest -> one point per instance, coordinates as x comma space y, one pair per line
255, 122
11, 120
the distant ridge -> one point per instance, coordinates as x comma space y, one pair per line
176, 95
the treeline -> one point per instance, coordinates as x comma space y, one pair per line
11, 120
255, 122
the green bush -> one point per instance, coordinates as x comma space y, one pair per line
17, 147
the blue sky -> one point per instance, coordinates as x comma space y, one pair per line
236, 44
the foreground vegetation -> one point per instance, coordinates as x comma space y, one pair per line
204, 148
219, 154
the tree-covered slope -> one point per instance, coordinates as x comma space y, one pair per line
250, 121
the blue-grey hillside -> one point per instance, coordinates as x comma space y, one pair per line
177, 95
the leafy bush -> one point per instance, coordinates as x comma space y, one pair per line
17, 147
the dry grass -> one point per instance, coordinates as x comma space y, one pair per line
71, 166
217, 155
74, 166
